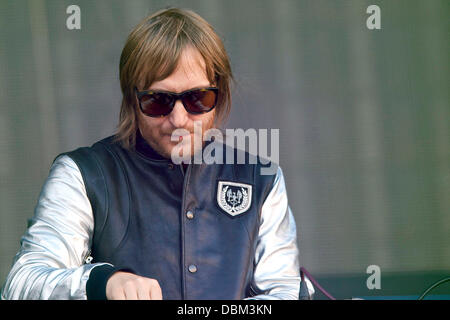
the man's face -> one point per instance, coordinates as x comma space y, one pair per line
189, 74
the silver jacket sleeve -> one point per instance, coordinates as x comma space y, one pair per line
49, 264
277, 270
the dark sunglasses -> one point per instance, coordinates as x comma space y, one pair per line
154, 103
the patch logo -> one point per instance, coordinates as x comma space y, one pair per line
234, 198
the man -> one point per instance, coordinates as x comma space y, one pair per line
120, 220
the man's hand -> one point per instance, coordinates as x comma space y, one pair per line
128, 286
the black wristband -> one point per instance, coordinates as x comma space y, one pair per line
96, 284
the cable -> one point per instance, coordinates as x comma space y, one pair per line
316, 284
329, 296
432, 287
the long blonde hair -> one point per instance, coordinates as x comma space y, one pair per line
151, 53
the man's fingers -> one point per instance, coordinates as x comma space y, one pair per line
128, 286
118, 294
155, 291
143, 293
130, 291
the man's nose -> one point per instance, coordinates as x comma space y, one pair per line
179, 116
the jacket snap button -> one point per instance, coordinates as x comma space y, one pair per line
190, 215
192, 268
171, 166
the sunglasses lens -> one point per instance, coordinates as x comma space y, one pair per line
200, 101
156, 104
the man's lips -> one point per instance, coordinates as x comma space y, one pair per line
180, 137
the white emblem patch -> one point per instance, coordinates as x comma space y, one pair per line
234, 198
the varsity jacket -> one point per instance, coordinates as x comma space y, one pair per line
216, 231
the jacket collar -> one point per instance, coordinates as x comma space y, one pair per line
144, 148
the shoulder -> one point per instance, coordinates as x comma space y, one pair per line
238, 154
80, 162
64, 167
82, 154
63, 161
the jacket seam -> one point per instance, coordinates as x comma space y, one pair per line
119, 161
106, 199
90, 194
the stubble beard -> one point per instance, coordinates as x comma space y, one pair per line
163, 144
